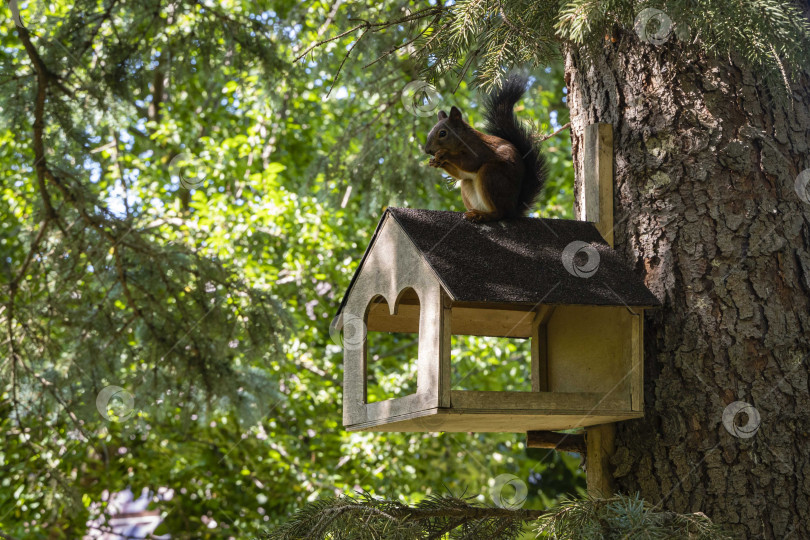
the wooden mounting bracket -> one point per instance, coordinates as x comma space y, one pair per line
597, 181
552, 440
597, 206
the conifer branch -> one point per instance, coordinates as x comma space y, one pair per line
364, 517
526, 32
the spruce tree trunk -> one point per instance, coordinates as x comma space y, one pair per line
706, 209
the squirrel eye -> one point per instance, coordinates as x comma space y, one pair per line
442, 133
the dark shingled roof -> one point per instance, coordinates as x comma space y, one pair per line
519, 261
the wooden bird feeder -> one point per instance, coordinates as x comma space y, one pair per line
554, 282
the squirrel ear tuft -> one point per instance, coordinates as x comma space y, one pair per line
442, 115
455, 113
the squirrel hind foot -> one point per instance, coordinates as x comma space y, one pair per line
476, 216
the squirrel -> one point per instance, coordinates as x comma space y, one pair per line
501, 173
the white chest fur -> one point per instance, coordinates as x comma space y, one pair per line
471, 194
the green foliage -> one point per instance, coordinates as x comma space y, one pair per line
211, 306
181, 209
623, 517
365, 517
476, 34
772, 36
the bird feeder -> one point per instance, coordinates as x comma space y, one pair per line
554, 282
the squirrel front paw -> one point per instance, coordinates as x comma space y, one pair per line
439, 159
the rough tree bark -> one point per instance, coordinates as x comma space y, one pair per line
705, 207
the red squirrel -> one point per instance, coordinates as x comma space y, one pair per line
501, 173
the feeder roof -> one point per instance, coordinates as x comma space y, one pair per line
525, 261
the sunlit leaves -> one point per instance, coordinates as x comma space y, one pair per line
224, 339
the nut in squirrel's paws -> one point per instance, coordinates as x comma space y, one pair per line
439, 160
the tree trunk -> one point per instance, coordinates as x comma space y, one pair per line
706, 208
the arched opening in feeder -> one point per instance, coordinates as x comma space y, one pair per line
392, 346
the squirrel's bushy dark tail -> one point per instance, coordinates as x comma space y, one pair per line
500, 120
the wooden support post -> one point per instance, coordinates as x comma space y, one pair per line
600, 445
539, 344
597, 207
445, 337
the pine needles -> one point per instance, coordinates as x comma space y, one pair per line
366, 518
771, 36
629, 518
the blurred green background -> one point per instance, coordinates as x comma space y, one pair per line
211, 306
